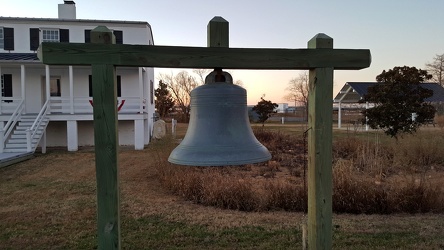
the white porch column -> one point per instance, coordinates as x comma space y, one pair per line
141, 92
138, 134
22, 84
72, 136
71, 90
146, 127
339, 114
47, 82
47, 86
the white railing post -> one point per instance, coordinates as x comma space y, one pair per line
28, 140
2, 140
23, 86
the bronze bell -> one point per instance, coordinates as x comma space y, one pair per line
219, 132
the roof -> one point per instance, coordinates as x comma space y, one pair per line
59, 20
18, 57
353, 92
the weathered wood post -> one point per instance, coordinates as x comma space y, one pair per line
218, 33
320, 107
106, 145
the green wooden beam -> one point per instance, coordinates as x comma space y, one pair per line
201, 57
106, 146
320, 150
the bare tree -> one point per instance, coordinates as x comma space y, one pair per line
436, 69
180, 86
297, 91
201, 73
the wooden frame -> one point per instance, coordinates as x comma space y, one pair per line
319, 58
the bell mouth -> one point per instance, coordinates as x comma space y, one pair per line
210, 156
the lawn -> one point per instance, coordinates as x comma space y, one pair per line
48, 202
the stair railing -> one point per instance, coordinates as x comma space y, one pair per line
7, 129
32, 131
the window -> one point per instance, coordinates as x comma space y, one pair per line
47, 35
119, 86
50, 35
2, 40
6, 84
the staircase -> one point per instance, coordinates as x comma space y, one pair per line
17, 142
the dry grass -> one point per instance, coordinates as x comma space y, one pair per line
366, 176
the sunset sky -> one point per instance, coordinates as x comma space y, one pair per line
397, 33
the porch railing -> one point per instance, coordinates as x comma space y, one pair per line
84, 105
7, 129
32, 131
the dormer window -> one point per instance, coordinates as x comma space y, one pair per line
50, 35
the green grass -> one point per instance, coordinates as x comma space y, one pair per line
159, 233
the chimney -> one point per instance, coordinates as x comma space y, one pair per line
67, 10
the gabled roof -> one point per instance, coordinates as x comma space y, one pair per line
353, 92
18, 57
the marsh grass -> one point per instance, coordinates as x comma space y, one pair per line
368, 177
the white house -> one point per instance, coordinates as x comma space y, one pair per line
52, 105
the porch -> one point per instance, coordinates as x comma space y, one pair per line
70, 111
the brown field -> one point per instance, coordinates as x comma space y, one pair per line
48, 202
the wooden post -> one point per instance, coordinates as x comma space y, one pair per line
106, 146
217, 33
320, 150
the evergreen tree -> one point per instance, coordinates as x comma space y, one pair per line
264, 109
398, 98
164, 100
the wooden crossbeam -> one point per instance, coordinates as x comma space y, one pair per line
202, 57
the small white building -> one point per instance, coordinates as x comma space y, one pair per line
282, 108
52, 105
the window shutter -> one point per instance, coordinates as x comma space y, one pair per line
9, 38
119, 86
87, 36
7, 86
119, 36
64, 35
90, 84
34, 34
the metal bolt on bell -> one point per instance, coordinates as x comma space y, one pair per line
219, 132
